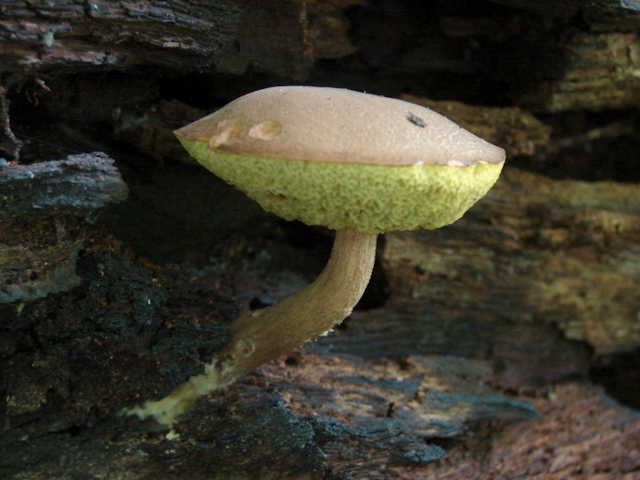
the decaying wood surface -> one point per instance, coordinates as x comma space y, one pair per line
592, 68
534, 250
314, 416
44, 213
581, 435
307, 416
524, 356
600, 71
232, 35
354, 418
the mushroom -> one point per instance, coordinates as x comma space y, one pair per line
357, 163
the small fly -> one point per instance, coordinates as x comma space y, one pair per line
416, 120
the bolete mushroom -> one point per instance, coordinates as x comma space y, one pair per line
357, 163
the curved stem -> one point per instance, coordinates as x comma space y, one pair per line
263, 335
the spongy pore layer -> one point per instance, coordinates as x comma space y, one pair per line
370, 198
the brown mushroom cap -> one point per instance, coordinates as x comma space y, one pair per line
345, 159
338, 125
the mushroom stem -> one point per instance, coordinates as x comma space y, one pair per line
263, 335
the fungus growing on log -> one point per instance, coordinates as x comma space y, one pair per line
357, 163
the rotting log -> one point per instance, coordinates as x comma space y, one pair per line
524, 356
41, 36
307, 415
125, 332
582, 435
592, 68
45, 209
600, 71
533, 251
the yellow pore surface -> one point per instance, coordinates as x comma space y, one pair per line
369, 198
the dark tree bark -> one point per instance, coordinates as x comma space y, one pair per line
227, 35
44, 213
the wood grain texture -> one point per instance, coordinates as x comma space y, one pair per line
534, 251
45, 209
226, 35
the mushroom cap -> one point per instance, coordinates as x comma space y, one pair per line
340, 158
